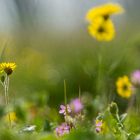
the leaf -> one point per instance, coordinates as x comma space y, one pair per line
123, 117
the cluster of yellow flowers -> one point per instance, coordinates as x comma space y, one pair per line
101, 26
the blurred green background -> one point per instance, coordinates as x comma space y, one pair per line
49, 42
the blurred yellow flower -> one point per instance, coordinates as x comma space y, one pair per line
7, 67
124, 87
104, 11
100, 126
10, 117
102, 31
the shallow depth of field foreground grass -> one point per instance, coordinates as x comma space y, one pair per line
78, 84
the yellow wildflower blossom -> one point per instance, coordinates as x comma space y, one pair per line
10, 117
102, 31
100, 126
104, 10
7, 67
124, 87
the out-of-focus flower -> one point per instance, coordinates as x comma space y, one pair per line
65, 109
70, 120
29, 128
124, 87
64, 128
102, 31
104, 11
76, 105
10, 117
113, 108
100, 126
101, 27
135, 78
33, 111
7, 67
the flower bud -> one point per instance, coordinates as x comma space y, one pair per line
113, 108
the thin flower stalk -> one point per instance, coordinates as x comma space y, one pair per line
6, 88
6, 69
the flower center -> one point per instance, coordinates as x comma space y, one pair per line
125, 87
106, 17
101, 29
8, 70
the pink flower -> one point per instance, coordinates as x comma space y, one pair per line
135, 78
98, 129
76, 105
64, 128
65, 109
98, 126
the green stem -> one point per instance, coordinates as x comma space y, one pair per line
99, 71
131, 102
65, 93
80, 96
79, 93
6, 88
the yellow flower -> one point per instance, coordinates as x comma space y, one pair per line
10, 117
100, 126
104, 10
102, 31
124, 87
7, 67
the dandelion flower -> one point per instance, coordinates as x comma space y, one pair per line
124, 87
8, 68
102, 31
105, 11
